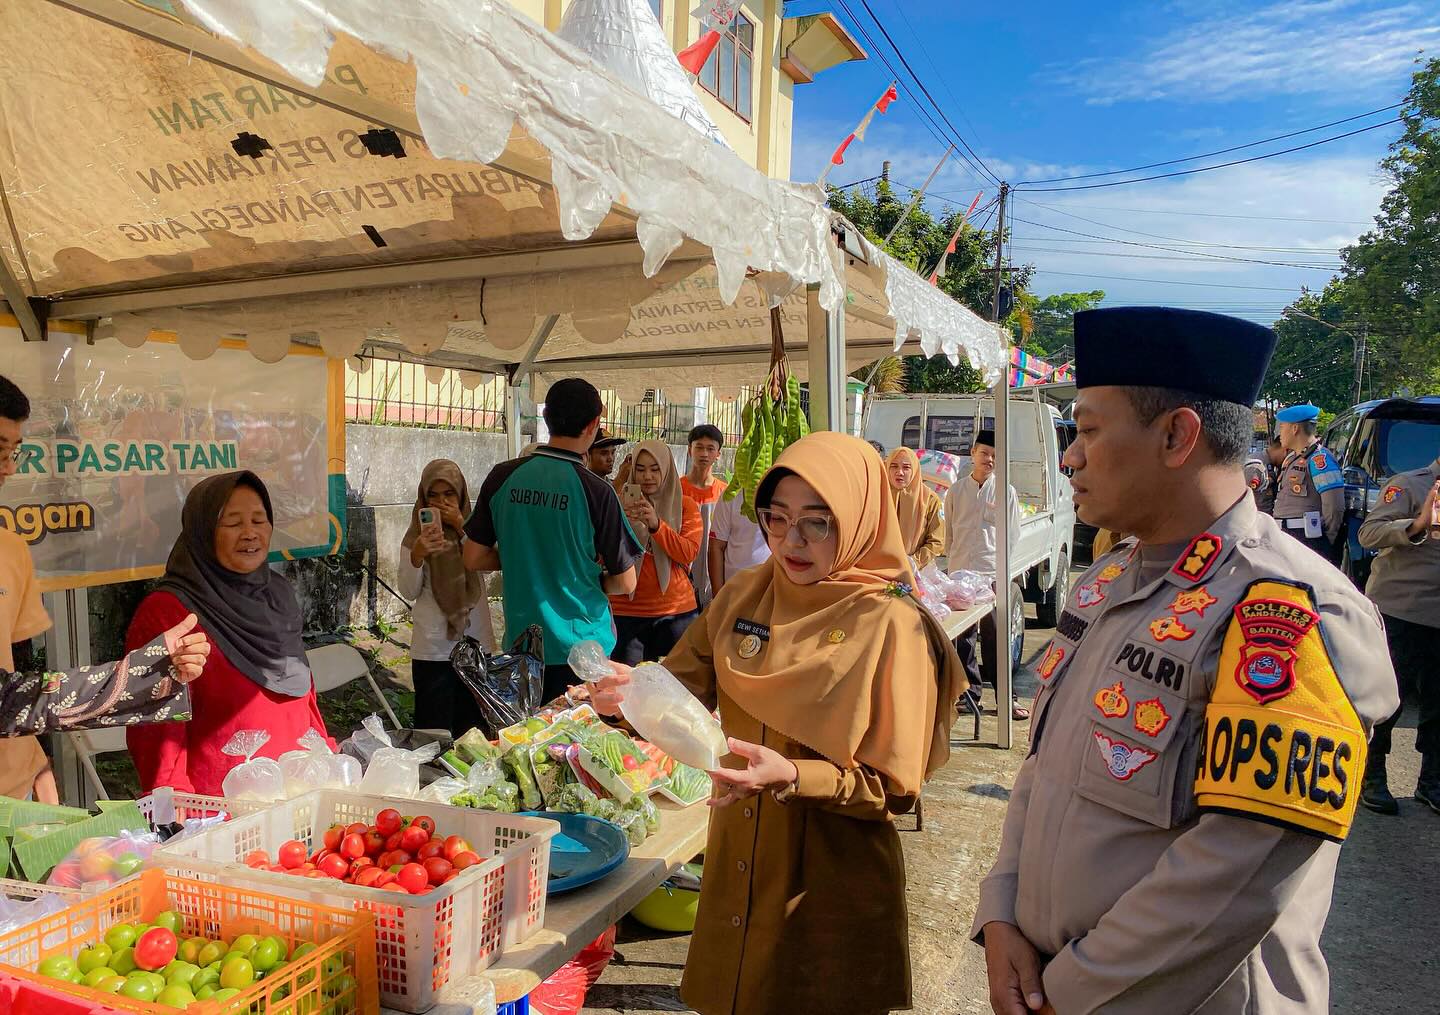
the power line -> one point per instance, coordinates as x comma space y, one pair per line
1180, 239
1156, 246
1206, 169
1169, 257
1167, 281
1216, 215
1222, 151
1196, 244
944, 83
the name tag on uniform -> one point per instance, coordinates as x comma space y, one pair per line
760, 631
753, 637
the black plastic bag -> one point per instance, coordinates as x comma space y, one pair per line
509, 687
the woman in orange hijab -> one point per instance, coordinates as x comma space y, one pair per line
917, 507
836, 690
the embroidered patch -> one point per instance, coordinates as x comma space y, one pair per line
1109, 573
1297, 488
1319, 462
1255, 481
1054, 654
1152, 664
1071, 626
1272, 629
1151, 717
1199, 557
749, 646
1111, 701
1088, 595
1195, 601
1121, 759
1169, 628
1391, 492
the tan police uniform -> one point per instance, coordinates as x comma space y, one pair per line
1196, 756
1311, 485
1261, 484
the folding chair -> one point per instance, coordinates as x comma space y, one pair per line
90, 744
336, 665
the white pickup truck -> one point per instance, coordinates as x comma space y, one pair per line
1040, 564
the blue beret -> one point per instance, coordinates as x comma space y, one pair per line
1298, 413
1210, 355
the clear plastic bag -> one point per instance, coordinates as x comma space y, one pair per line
977, 587
254, 778
104, 860
393, 771
670, 717
17, 913
930, 588
316, 766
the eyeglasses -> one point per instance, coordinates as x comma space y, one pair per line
812, 528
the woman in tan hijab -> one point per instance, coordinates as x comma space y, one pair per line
650, 620
449, 600
922, 526
836, 690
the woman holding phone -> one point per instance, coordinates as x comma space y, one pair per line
650, 620
836, 690
449, 600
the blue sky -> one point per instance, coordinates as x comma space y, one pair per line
1051, 88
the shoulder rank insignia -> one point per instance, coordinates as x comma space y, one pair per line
1151, 717
1110, 572
1054, 654
1281, 740
1195, 601
1199, 557
1391, 492
1111, 701
1121, 759
1169, 628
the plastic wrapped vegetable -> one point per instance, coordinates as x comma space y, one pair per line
316, 766
670, 717
254, 778
604, 808
688, 785
475, 747
633, 825
575, 799
393, 771
645, 807
517, 763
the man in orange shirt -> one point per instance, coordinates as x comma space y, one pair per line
706, 442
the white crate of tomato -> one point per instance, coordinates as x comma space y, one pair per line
434, 924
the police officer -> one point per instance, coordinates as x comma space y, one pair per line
1261, 481
1310, 497
1405, 584
1203, 713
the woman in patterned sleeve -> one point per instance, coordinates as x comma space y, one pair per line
146, 685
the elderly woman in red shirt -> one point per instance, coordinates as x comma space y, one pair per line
257, 677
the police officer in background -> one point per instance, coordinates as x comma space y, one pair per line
1260, 478
1310, 496
1204, 708
1405, 584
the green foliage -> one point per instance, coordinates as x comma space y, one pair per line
1053, 331
1315, 361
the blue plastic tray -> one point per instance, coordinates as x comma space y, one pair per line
585, 851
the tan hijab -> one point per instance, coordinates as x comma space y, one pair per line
912, 504
456, 590
667, 502
854, 668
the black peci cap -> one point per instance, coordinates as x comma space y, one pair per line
986, 437
1206, 354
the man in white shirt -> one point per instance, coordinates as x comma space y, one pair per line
970, 546
736, 543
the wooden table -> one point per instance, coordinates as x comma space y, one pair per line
576, 918
963, 620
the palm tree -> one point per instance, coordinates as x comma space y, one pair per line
886, 376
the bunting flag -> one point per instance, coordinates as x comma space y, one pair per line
693, 57
1027, 370
713, 15
954, 239
858, 134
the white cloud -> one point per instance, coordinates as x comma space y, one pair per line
1291, 47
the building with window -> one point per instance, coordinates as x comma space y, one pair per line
748, 84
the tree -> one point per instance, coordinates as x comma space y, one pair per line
919, 243
1314, 357
1054, 317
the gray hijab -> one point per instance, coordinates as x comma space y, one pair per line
253, 619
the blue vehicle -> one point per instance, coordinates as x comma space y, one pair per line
1372, 442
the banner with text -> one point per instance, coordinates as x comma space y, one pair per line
118, 436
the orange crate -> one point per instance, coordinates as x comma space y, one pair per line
338, 977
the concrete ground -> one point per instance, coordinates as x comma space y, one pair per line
1381, 939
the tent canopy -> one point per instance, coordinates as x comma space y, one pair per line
457, 186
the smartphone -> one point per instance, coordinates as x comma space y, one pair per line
633, 493
428, 517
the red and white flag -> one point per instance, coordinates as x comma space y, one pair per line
955, 239
713, 16
858, 134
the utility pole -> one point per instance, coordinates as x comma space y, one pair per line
999, 250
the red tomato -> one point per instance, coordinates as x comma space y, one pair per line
155, 949
292, 854
469, 858
631, 763
424, 821
374, 843
391, 886
385, 878
413, 838
369, 877
455, 845
257, 858
357, 828
393, 842
278, 869
363, 861
334, 866
321, 855
333, 835
387, 822
352, 847
413, 878
317, 874
432, 848
436, 868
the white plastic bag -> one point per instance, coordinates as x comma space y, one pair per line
670, 717
15, 913
930, 588
315, 766
977, 587
254, 778
393, 771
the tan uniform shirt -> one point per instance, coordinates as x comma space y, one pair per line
1196, 753
22, 617
1405, 578
1311, 481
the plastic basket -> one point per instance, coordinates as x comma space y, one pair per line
165, 806
29, 890
424, 941
316, 982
